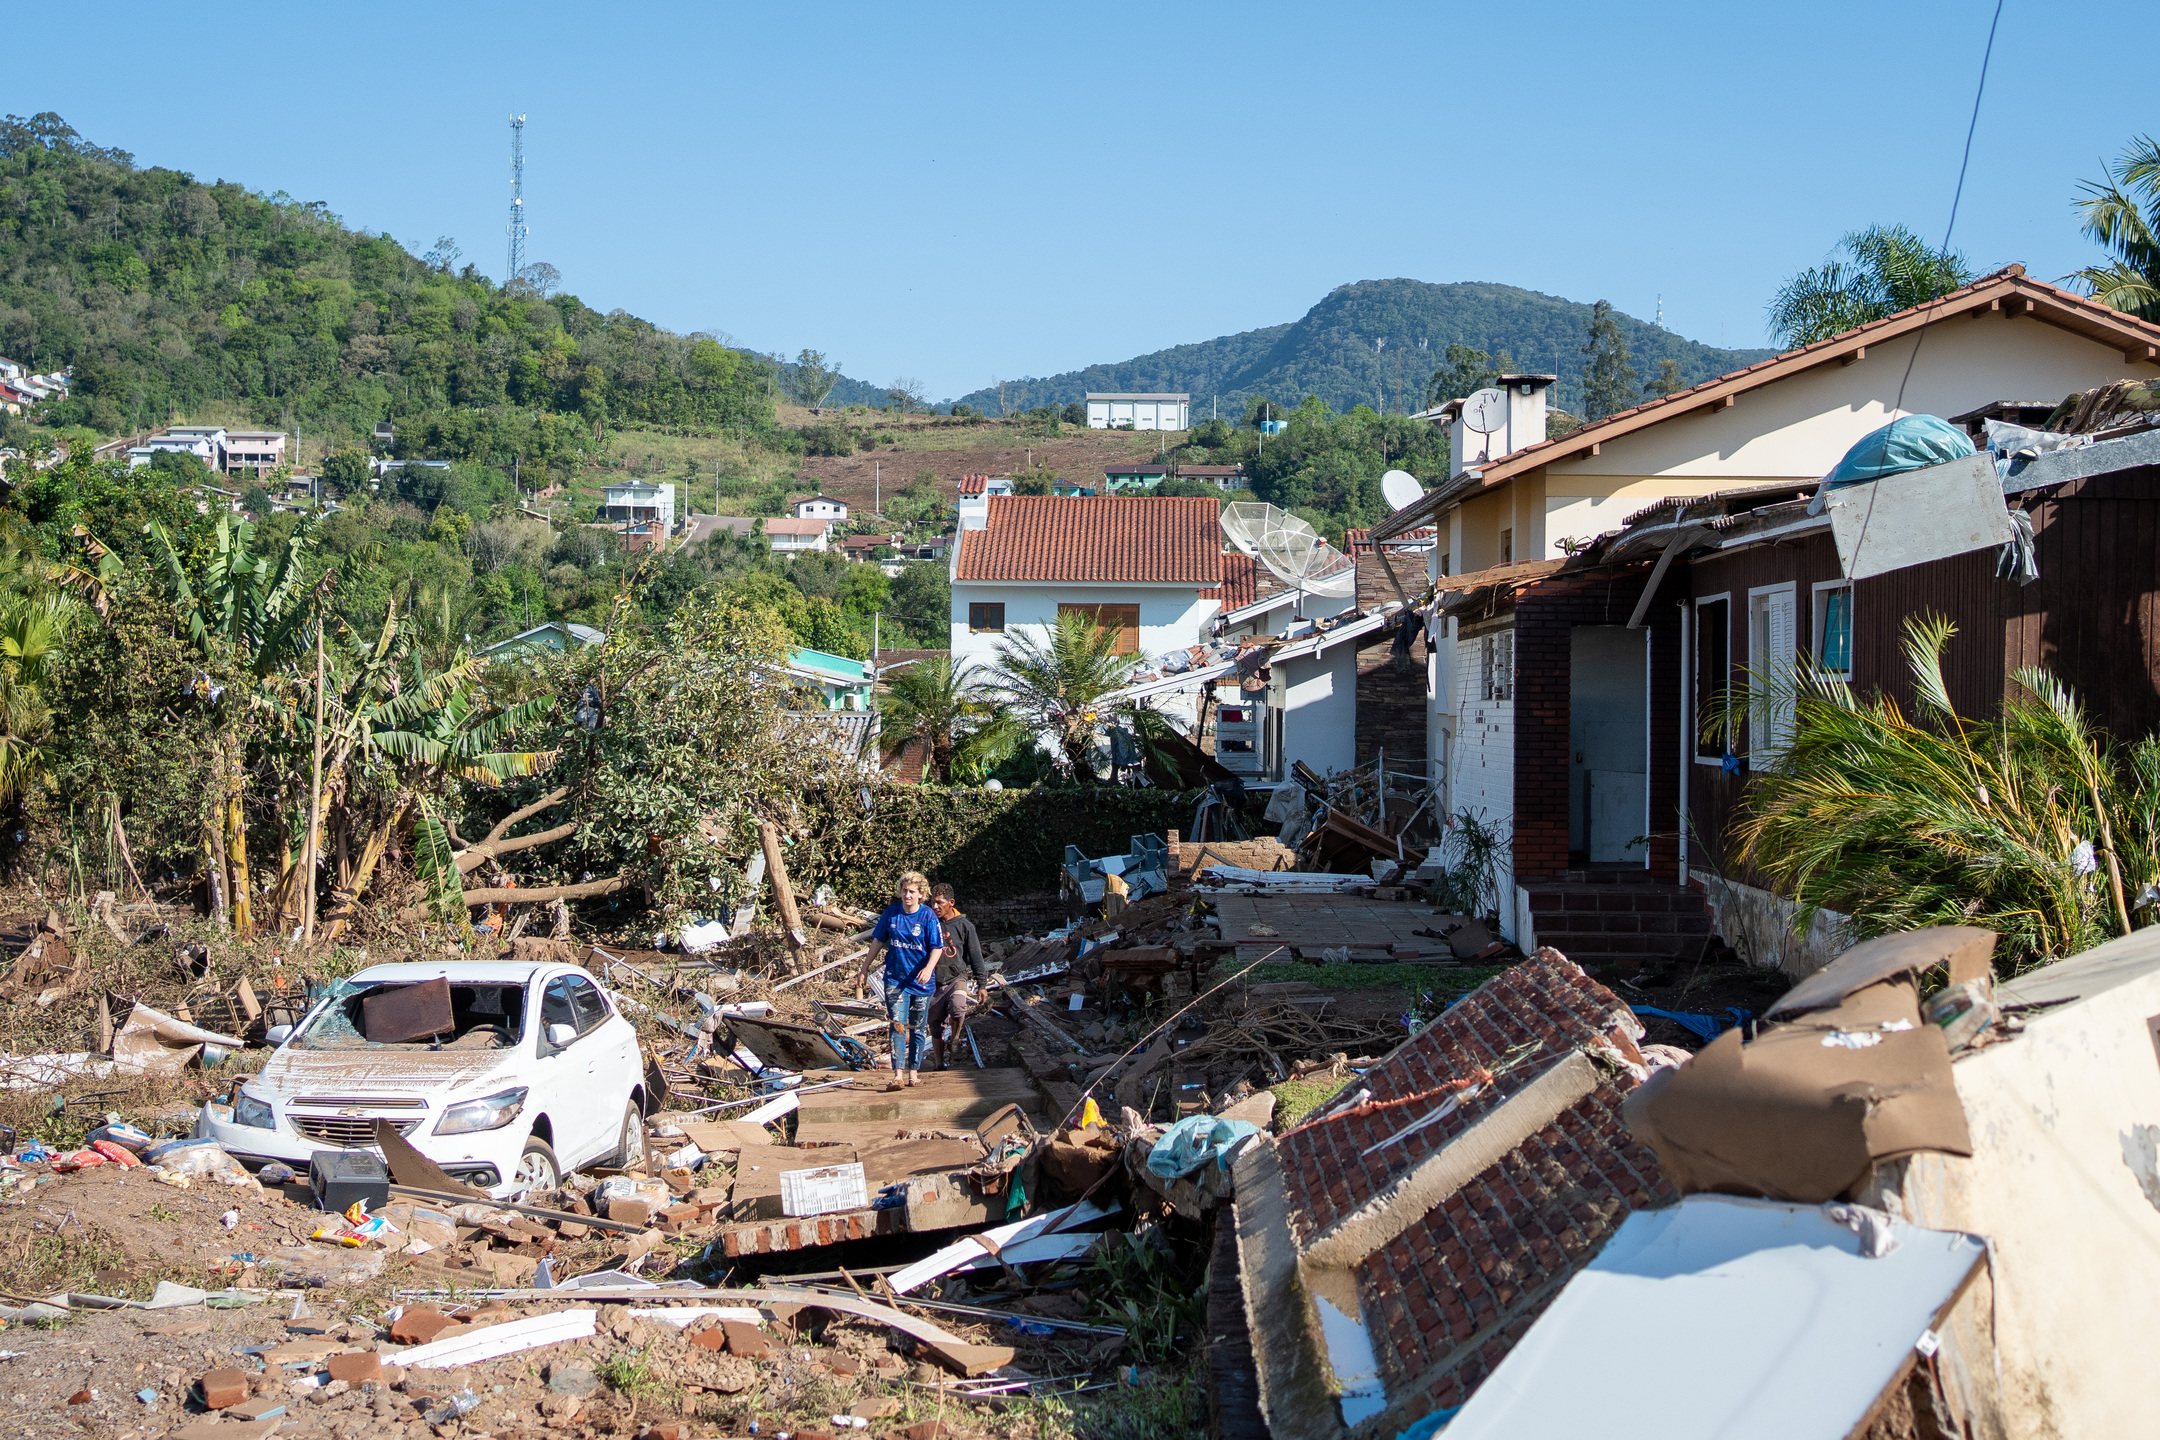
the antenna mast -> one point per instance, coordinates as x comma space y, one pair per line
517, 199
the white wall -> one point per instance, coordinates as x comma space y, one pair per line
1138, 414
1286, 609
1171, 616
1484, 764
1318, 694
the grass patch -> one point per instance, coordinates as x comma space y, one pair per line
1409, 980
631, 1375
1160, 1405
1295, 1099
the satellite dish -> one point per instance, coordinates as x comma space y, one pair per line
1485, 411
1400, 489
1292, 550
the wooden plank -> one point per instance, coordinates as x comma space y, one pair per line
942, 1097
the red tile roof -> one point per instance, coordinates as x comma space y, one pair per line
1239, 582
973, 484
1138, 540
1465, 1275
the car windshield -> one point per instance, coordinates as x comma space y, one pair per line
477, 1017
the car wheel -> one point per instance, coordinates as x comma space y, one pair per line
536, 1169
630, 1151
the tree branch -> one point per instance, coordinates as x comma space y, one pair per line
545, 802
470, 858
523, 896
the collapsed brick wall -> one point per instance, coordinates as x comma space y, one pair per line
1391, 706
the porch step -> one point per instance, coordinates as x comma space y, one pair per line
1618, 920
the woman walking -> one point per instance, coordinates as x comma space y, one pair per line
907, 939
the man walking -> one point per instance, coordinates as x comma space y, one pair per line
959, 991
907, 938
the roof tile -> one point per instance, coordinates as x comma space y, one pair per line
1141, 540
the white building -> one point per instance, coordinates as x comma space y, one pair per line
205, 442
641, 502
10, 370
790, 537
251, 452
1139, 412
1140, 565
821, 507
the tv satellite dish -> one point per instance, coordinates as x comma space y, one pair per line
1400, 489
1485, 411
1292, 550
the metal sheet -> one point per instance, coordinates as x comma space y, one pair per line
1921, 515
1766, 1317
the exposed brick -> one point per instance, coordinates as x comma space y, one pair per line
223, 1389
356, 1367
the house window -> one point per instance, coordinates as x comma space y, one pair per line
1833, 629
1124, 619
1771, 652
1507, 547
1713, 674
986, 616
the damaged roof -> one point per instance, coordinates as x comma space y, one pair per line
1432, 1222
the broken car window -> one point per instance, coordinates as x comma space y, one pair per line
483, 1017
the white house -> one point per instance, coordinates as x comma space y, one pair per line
1108, 411
789, 537
641, 502
1140, 565
205, 442
252, 452
10, 370
821, 507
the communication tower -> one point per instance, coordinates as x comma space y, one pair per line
517, 198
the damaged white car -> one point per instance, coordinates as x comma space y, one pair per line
507, 1076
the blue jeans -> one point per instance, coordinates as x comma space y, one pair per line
910, 1017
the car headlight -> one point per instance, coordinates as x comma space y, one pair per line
492, 1113
247, 1110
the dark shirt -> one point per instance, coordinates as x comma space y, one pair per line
960, 933
909, 941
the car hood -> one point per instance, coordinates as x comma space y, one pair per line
360, 1074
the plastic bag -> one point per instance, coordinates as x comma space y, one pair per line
1195, 1141
1910, 442
196, 1157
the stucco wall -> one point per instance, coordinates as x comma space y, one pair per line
1319, 693
1483, 763
1170, 616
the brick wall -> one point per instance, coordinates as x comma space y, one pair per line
1390, 707
1545, 615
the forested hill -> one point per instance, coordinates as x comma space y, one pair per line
167, 295
1330, 352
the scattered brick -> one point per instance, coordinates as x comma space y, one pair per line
420, 1324
630, 1212
357, 1367
223, 1389
747, 1340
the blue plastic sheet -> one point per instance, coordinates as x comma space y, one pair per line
1709, 1027
1195, 1141
1430, 1426
1910, 442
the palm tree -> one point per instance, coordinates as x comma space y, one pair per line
1057, 683
951, 711
2123, 214
1889, 269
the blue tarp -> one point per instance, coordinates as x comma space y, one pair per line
1196, 1141
1909, 443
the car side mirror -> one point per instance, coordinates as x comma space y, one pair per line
277, 1034
560, 1034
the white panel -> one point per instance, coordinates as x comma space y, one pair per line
1918, 516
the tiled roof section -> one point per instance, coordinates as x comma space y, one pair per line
2007, 287
1449, 1297
1239, 585
1546, 1001
1140, 540
973, 484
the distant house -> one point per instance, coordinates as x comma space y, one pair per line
1142, 566
1071, 488
984, 486
704, 527
862, 547
10, 370
821, 507
1108, 411
1135, 475
253, 453
641, 502
554, 635
844, 683
790, 537
204, 442
385, 433
1223, 477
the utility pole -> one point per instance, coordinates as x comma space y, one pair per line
877, 489
518, 228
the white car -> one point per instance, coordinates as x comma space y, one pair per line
537, 1076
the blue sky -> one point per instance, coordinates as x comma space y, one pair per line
963, 191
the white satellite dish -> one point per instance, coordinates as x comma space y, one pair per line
1485, 411
1400, 489
1292, 550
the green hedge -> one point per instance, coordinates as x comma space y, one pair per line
988, 844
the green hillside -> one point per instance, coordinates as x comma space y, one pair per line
169, 297
1330, 352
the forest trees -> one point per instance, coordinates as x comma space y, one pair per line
1608, 378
